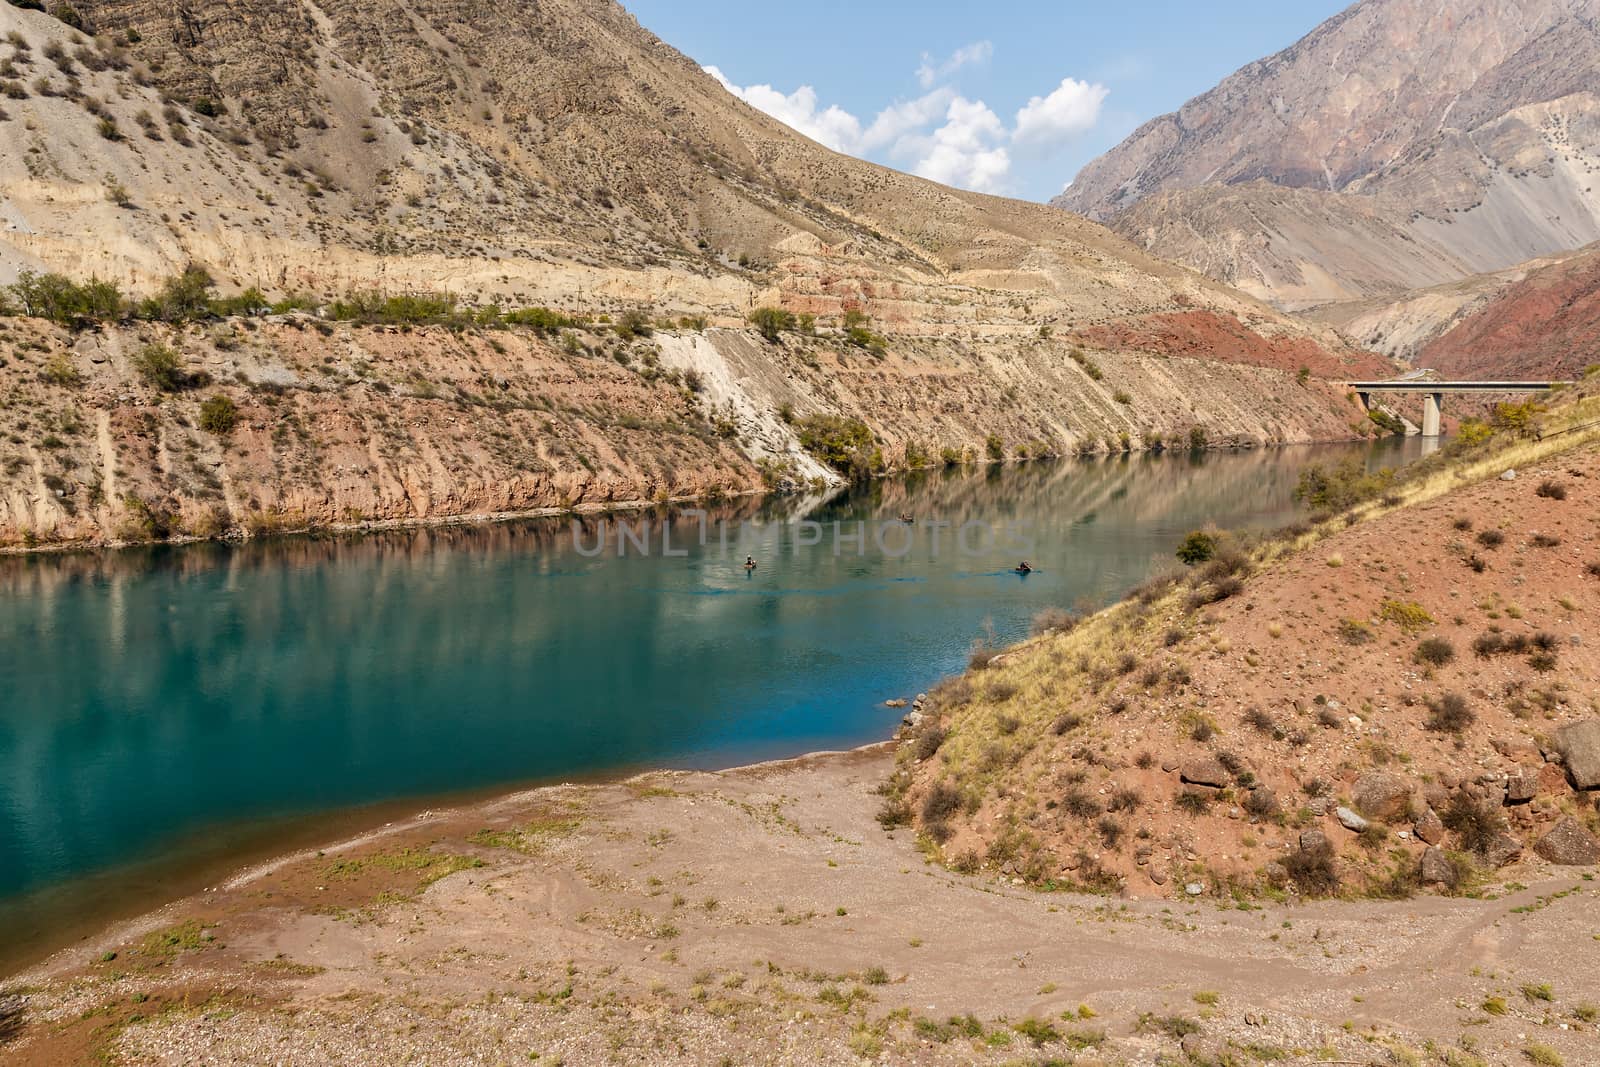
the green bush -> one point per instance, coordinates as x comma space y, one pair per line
160, 367
181, 298
842, 443
219, 415
994, 447
1198, 547
771, 322
415, 309
634, 323
1343, 486
65, 302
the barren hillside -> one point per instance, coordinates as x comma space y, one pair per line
1544, 325
554, 156
1390, 699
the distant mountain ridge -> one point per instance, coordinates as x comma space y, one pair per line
1401, 144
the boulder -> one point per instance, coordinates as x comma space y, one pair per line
1313, 840
1430, 828
1521, 787
1205, 770
1436, 869
1157, 875
1502, 850
1579, 745
1381, 795
1568, 844
1350, 820
1277, 874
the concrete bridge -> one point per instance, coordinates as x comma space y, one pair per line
1433, 393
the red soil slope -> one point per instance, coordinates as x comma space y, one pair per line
1210, 335
1547, 325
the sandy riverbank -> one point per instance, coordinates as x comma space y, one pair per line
763, 916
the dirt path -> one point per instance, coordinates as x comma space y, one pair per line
762, 916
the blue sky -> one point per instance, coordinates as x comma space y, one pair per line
1008, 96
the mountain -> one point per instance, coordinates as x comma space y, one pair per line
552, 154
1545, 325
1401, 144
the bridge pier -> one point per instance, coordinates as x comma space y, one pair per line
1431, 420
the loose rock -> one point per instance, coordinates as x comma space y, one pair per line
1568, 844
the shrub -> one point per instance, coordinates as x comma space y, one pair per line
65, 302
1354, 632
995, 448
1517, 418
1080, 804
1065, 723
942, 802
1476, 826
1491, 538
845, 444
1198, 547
1262, 722
1051, 620
1407, 614
1261, 803
1341, 487
1551, 489
771, 322
1543, 1055
1313, 870
1435, 651
1194, 801
182, 297
218, 415
1450, 714
633, 323
1124, 798
160, 367
929, 742
59, 370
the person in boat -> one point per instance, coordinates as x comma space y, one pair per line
749, 563
1024, 567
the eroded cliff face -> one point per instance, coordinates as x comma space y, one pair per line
348, 425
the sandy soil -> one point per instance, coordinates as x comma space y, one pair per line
762, 916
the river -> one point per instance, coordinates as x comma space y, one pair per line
167, 712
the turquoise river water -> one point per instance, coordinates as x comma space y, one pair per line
166, 712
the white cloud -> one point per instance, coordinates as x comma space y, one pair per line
896, 121
832, 126
968, 150
1073, 108
970, 146
930, 73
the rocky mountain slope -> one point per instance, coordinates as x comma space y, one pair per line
1400, 145
557, 156
1388, 699
1543, 325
